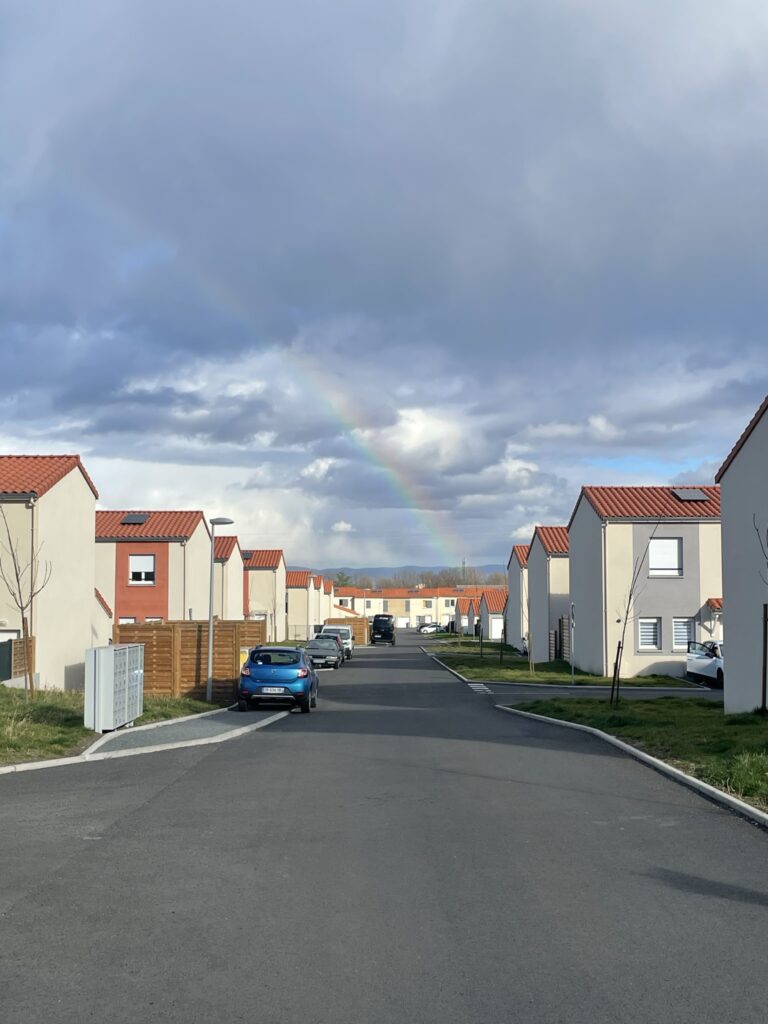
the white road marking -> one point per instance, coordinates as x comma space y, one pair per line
479, 688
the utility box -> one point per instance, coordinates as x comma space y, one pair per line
114, 686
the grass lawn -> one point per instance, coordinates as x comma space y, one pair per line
730, 752
468, 646
516, 670
51, 725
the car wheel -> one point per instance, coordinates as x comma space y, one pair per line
313, 700
304, 705
242, 705
720, 678
393, 643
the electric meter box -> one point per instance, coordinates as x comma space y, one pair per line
114, 686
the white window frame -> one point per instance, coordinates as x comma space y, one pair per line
645, 647
385, 605
127, 620
664, 568
427, 604
367, 604
691, 632
154, 618
144, 559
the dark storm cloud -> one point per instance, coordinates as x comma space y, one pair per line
441, 236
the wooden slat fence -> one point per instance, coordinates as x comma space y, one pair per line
176, 654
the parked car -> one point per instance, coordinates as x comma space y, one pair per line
283, 675
704, 663
331, 636
383, 630
430, 627
344, 633
325, 652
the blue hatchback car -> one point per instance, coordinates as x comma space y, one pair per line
282, 675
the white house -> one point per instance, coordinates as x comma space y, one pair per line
49, 503
517, 603
228, 579
461, 621
265, 590
668, 539
300, 604
743, 480
492, 606
548, 588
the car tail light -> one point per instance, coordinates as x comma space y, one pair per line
245, 671
303, 673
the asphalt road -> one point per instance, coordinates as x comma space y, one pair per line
406, 854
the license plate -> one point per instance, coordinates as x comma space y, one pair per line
273, 689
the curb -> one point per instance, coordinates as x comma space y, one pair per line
567, 686
150, 725
110, 755
711, 793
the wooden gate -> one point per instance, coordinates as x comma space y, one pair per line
176, 654
359, 627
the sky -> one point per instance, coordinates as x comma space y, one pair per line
384, 283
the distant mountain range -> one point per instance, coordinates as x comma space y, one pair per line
376, 572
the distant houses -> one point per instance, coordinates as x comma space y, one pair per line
548, 590
517, 602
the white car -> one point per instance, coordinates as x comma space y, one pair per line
704, 663
344, 633
430, 627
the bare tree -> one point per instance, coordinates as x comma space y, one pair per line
23, 582
626, 615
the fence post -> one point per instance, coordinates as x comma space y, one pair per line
176, 659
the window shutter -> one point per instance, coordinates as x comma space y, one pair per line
649, 634
682, 633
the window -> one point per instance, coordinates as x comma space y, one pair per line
682, 633
427, 604
385, 606
141, 570
344, 602
153, 618
367, 604
407, 606
449, 602
665, 556
649, 635
126, 621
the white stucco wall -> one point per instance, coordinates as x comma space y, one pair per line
101, 625
744, 493
228, 587
538, 602
585, 569
189, 568
299, 610
62, 617
711, 569
517, 604
105, 571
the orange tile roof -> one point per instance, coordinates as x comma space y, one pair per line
554, 539
263, 559
347, 611
318, 581
36, 474
406, 592
223, 547
715, 603
742, 440
163, 525
328, 586
520, 552
298, 578
462, 605
102, 602
652, 502
495, 600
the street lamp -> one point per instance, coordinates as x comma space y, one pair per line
218, 521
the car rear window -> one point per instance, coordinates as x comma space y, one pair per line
330, 644
276, 657
383, 620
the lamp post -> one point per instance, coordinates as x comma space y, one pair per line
218, 521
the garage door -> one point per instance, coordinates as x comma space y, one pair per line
403, 622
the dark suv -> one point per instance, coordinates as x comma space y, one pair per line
383, 631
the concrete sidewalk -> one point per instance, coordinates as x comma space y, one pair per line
209, 725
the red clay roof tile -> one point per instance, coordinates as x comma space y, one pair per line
36, 474
495, 600
715, 603
652, 502
263, 559
298, 578
223, 548
162, 525
554, 539
102, 602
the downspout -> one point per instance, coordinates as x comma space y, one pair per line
604, 611
274, 605
32, 564
183, 579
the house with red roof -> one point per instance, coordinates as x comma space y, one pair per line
548, 589
154, 566
328, 599
264, 591
461, 617
301, 605
493, 604
743, 480
669, 539
49, 502
473, 616
516, 614
228, 578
